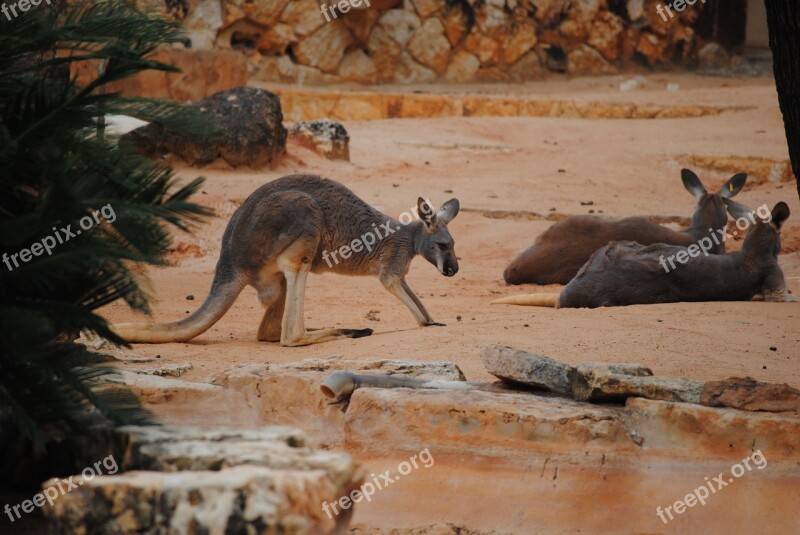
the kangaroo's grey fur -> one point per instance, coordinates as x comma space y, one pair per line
628, 273
560, 251
277, 237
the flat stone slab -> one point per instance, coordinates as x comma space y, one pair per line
525, 368
192, 480
588, 381
750, 395
172, 370
241, 499
443, 371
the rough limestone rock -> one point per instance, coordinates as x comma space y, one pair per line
243, 499
524, 368
399, 25
429, 46
463, 67
325, 48
327, 137
598, 384
750, 395
356, 66
180, 448
201, 74
178, 401
202, 22
587, 60
250, 131
193, 480
588, 381
624, 33
713, 56
174, 370
288, 394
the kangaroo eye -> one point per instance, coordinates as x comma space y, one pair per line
441, 245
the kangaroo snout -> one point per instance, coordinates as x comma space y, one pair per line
450, 269
510, 275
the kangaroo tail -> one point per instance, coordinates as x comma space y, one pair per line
224, 291
529, 300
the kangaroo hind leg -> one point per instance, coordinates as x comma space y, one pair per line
273, 298
295, 263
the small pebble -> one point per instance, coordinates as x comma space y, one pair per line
190, 297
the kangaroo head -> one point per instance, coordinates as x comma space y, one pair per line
437, 246
764, 237
711, 211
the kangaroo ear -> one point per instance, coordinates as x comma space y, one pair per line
733, 186
692, 183
737, 210
780, 214
448, 211
426, 211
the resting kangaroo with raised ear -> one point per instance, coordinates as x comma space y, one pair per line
283, 231
629, 273
560, 251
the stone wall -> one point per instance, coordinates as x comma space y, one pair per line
419, 41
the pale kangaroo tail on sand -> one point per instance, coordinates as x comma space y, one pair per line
529, 300
224, 291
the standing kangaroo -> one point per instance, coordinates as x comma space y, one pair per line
629, 273
560, 251
281, 233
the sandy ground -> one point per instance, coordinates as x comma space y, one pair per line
625, 167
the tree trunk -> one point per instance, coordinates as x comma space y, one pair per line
783, 18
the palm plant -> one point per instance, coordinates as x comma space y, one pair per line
54, 170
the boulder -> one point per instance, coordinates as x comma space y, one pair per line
326, 137
249, 131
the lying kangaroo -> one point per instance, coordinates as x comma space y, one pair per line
560, 251
283, 231
629, 273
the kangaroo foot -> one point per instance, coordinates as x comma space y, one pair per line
433, 324
324, 335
